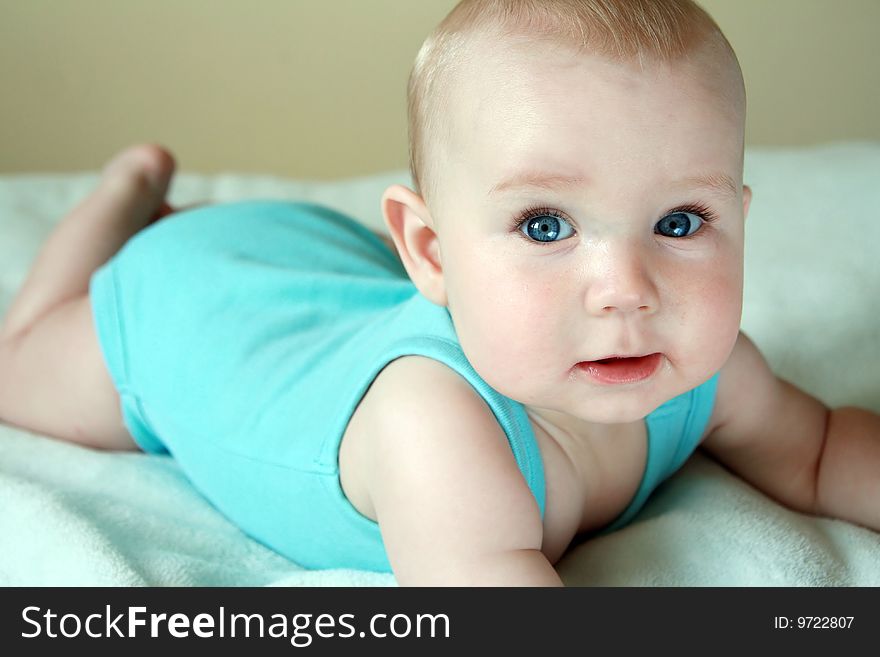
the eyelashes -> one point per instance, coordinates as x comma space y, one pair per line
705, 214
533, 213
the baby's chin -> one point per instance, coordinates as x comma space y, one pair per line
619, 404
619, 407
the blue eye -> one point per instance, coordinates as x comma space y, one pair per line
678, 224
546, 228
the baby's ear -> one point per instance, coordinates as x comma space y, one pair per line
747, 201
411, 227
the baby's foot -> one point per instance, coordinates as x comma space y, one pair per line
139, 176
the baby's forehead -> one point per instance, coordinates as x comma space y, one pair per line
515, 81
508, 58
484, 50
537, 107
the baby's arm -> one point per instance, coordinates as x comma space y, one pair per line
791, 446
451, 503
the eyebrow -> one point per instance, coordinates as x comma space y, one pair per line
535, 181
719, 184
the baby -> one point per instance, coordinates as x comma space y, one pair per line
558, 331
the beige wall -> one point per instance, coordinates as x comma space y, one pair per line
315, 88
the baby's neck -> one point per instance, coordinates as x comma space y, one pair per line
567, 429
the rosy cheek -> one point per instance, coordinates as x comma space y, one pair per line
716, 315
507, 322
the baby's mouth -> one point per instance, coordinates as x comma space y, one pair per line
622, 369
611, 359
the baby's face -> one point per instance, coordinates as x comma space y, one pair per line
569, 225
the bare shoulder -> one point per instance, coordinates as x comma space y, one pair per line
416, 402
435, 467
422, 396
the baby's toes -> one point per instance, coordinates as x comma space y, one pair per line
145, 169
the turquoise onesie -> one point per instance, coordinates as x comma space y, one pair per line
241, 338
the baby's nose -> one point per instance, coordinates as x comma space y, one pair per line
621, 283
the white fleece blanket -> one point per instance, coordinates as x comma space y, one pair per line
74, 516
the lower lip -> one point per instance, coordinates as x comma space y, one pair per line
622, 370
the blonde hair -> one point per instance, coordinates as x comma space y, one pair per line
621, 30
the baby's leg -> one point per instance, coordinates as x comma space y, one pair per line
53, 379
